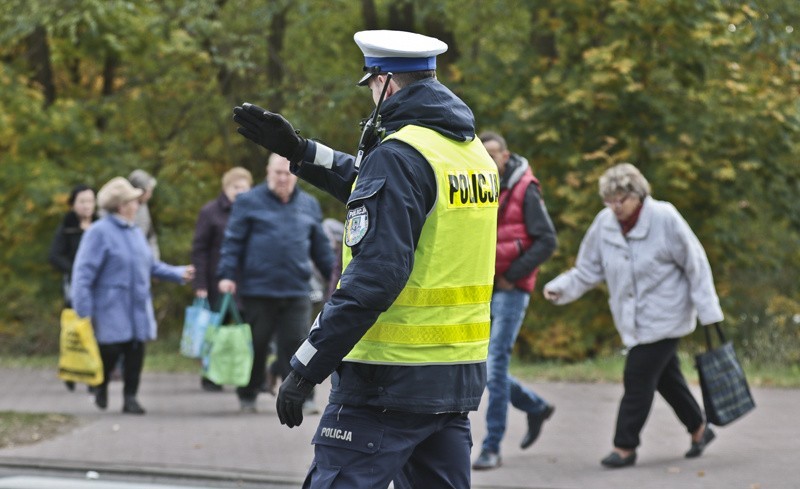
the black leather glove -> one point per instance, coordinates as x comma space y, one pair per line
292, 393
269, 130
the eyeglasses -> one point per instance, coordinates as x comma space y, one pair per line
616, 203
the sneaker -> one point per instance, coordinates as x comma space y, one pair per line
487, 460
535, 422
247, 405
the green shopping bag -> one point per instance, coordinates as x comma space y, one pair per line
227, 355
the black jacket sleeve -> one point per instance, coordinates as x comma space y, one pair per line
540, 229
59, 251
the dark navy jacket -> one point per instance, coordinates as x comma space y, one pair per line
398, 188
269, 243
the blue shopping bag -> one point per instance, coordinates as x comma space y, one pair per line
197, 319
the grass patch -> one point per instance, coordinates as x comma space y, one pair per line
163, 356
157, 361
610, 368
26, 428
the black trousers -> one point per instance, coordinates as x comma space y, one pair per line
289, 320
132, 362
650, 368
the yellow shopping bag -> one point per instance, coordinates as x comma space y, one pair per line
79, 359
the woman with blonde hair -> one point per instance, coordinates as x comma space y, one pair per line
208, 234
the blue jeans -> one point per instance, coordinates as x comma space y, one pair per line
508, 310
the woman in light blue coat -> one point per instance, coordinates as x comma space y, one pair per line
111, 284
660, 283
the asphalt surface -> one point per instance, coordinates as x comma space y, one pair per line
192, 438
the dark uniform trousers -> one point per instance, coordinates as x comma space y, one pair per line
649, 368
367, 447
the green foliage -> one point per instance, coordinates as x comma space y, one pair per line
701, 95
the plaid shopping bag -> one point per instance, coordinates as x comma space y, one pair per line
726, 395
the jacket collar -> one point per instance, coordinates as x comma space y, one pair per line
223, 202
515, 168
119, 221
613, 232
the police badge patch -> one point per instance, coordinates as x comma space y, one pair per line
356, 225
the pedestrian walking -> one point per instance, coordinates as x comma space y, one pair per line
660, 283
111, 285
526, 238
207, 242
273, 235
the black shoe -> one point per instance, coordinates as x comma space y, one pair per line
132, 406
535, 422
70, 385
487, 460
210, 386
101, 398
616, 461
698, 446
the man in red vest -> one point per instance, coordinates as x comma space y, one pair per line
525, 238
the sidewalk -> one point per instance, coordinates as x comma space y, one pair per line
202, 435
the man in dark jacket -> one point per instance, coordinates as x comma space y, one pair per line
208, 234
525, 239
405, 335
273, 234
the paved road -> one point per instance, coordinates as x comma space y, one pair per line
201, 439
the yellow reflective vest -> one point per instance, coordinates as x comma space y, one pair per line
442, 314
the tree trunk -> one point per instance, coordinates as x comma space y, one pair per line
275, 71
38, 56
401, 15
109, 72
370, 14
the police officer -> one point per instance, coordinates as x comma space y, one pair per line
406, 333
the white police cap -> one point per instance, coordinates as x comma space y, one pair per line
397, 51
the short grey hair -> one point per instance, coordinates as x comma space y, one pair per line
623, 178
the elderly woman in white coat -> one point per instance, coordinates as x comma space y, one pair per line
111, 284
659, 281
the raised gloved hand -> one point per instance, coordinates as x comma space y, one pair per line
292, 393
269, 130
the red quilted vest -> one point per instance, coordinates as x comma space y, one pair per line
512, 236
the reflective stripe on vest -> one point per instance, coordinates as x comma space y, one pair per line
442, 314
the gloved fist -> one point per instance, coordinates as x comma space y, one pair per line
292, 393
269, 130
